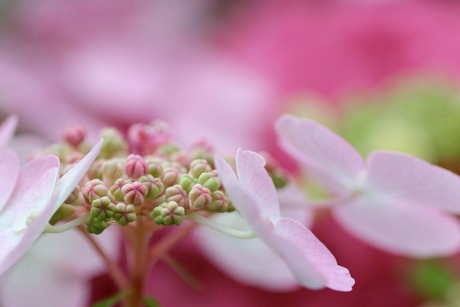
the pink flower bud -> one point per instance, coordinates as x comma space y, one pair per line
146, 139
74, 134
134, 193
170, 176
177, 194
94, 189
136, 166
200, 197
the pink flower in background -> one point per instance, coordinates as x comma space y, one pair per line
395, 202
131, 62
255, 197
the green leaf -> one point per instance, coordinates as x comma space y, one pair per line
110, 301
151, 302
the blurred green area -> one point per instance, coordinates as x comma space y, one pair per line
420, 116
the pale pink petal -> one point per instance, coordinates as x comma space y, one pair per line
328, 157
308, 258
413, 181
27, 198
9, 174
253, 176
288, 238
7, 130
294, 204
400, 228
249, 261
70, 180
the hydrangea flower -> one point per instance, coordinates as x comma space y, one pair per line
393, 201
254, 196
30, 197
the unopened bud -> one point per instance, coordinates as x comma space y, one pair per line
208, 180
94, 189
96, 226
76, 197
220, 202
134, 193
113, 143
124, 214
102, 209
136, 166
199, 166
168, 214
115, 189
170, 176
187, 182
155, 167
200, 197
74, 135
177, 194
112, 169
154, 186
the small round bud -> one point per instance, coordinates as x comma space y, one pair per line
124, 214
155, 167
94, 189
136, 166
154, 186
76, 197
96, 226
199, 166
147, 138
74, 135
208, 180
187, 182
177, 194
168, 214
170, 176
102, 209
200, 197
112, 169
113, 143
134, 192
220, 202
115, 189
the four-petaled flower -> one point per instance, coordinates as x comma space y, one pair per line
254, 195
393, 201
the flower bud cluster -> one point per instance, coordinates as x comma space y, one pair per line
144, 176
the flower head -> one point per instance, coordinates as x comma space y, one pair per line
254, 196
393, 201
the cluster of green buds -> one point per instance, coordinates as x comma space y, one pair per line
144, 176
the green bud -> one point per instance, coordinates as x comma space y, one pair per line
187, 182
96, 226
200, 197
154, 186
208, 180
124, 214
112, 169
220, 202
116, 189
102, 209
168, 214
155, 167
113, 143
198, 167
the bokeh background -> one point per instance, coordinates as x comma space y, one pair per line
383, 73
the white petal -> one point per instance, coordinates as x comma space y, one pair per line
409, 180
249, 261
9, 174
252, 174
400, 228
326, 156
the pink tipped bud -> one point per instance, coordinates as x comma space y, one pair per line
198, 167
94, 189
147, 138
177, 194
136, 166
200, 197
74, 135
134, 193
170, 176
